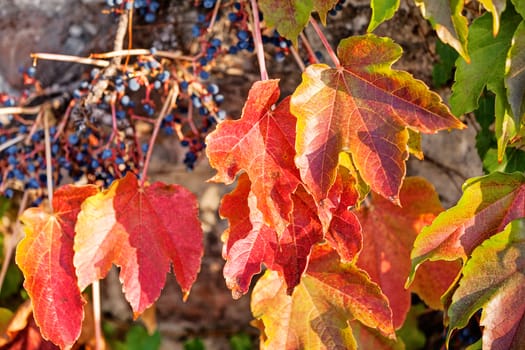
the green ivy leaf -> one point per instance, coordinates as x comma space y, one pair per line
494, 280
450, 25
382, 10
520, 7
515, 74
444, 68
487, 68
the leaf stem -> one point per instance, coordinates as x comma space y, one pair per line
170, 100
325, 42
257, 39
49, 166
297, 58
95, 289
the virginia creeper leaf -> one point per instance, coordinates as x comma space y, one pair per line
494, 280
487, 205
382, 10
317, 314
389, 232
368, 338
262, 144
250, 244
450, 25
519, 6
141, 229
290, 17
496, 8
515, 74
45, 257
364, 108
487, 68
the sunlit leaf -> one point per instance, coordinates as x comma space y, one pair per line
494, 280
250, 243
389, 232
364, 108
262, 144
317, 314
496, 8
45, 257
487, 67
448, 21
382, 10
144, 230
488, 204
290, 17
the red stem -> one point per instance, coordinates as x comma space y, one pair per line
170, 99
326, 45
258, 40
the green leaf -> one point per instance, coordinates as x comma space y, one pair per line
520, 7
513, 160
241, 341
494, 280
194, 344
410, 333
138, 338
382, 10
290, 17
515, 74
450, 25
443, 70
487, 205
485, 139
487, 68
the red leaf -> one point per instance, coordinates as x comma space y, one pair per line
45, 257
389, 232
318, 313
262, 144
142, 230
250, 242
363, 107
487, 205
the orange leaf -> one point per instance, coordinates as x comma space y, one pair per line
142, 230
45, 257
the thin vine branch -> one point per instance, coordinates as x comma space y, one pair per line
325, 42
258, 40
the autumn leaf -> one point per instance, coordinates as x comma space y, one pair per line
317, 314
249, 242
389, 232
494, 280
488, 204
363, 107
448, 21
290, 17
143, 230
382, 10
45, 257
262, 144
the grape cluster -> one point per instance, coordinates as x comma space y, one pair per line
146, 9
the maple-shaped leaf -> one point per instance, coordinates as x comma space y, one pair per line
45, 257
317, 314
448, 21
368, 338
143, 230
249, 242
290, 17
261, 143
487, 67
388, 234
362, 107
382, 10
487, 205
494, 280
